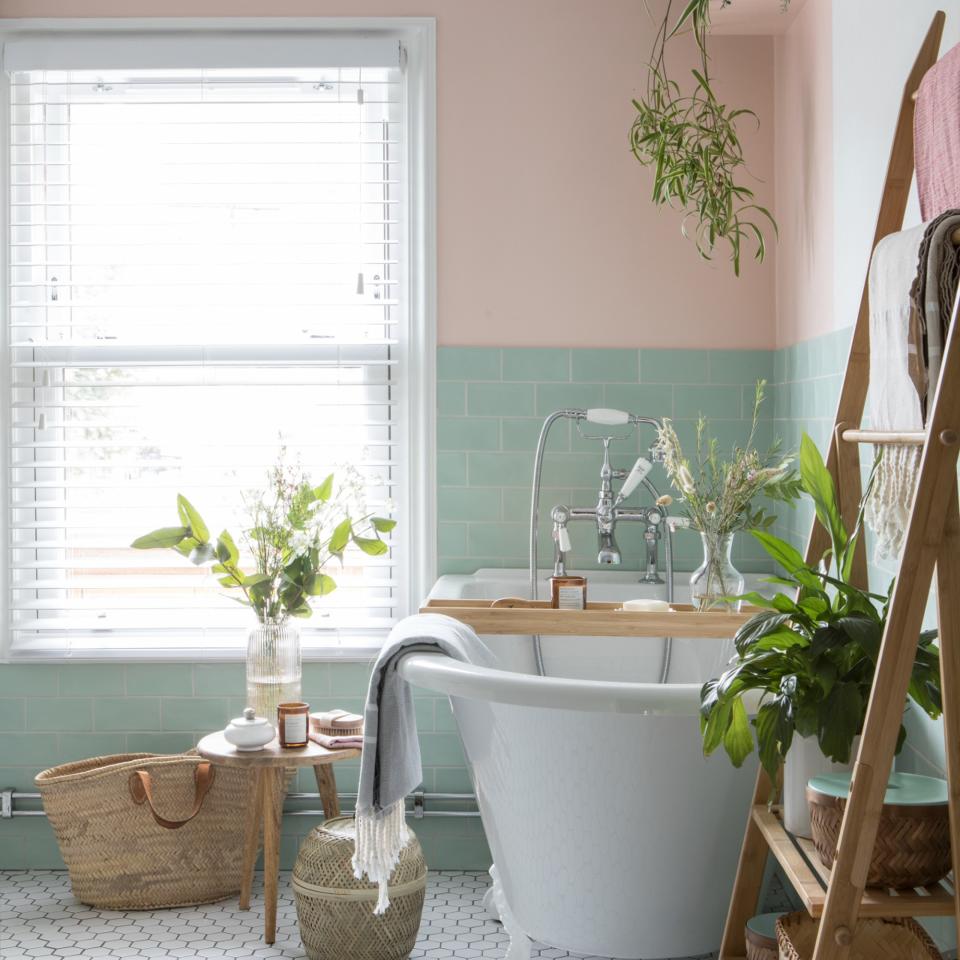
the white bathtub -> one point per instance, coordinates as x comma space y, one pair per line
611, 834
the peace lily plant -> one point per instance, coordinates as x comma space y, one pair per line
811, 653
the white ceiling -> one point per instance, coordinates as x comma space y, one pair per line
753, 16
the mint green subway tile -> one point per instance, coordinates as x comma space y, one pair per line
576, 469
19, 778
203, 714
468, 363
468, 503
40, 849
160, 742
714, 402
522, 433
37, 750
29, 680
468, 433
452, 539
441, 749
423, 707
466, 565
740, 366
516, 502
50, 713
451, 398
443, 719
316, 680
674, 366
454, 853
536, 364
489, 539
452, 780
499, 469
451, 468
500, 399
219, 679
348, 680
347, 773
557, 396
159, 679
12, 713
606, 366
12, 849
120, 713
643, 399
91, 680
82, 746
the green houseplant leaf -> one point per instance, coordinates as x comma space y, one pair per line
164, 537
192, 519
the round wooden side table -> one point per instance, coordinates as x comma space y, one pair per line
269, 766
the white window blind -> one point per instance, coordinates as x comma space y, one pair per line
203, 263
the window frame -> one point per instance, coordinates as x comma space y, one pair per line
416, 509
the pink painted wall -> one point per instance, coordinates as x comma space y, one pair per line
804, 164
546, 232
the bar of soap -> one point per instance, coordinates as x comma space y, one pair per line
646, 606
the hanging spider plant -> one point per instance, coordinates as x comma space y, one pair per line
691, 141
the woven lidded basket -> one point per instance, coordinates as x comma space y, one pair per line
171, 838
335, 909
880, 939
761, 937
913, 840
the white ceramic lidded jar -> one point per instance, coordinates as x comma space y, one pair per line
249, 732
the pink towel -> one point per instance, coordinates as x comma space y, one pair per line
936, 137
337, 743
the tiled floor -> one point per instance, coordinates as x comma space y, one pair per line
40, 918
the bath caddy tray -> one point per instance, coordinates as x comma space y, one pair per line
598, 620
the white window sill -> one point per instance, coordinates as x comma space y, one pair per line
343, 650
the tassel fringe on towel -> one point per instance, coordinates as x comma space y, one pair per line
381, 837
887, 511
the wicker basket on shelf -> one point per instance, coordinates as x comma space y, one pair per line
913, 840
335, 909
760, 936
879, 939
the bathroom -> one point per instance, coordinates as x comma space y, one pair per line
509, 263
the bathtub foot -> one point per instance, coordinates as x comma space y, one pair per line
495, 902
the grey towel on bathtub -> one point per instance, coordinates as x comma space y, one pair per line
390, 765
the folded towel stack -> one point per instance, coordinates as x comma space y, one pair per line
337, 730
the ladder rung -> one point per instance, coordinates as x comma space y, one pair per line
915, 438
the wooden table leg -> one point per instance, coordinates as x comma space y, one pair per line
327, 787
251, 838
273, 781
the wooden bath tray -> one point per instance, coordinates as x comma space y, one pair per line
598, 620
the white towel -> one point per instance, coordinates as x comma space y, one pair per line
390, 764
894, 403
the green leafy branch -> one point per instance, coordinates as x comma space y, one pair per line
692, 143
290, 563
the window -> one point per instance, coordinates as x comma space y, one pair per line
210, 255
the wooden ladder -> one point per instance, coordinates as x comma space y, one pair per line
839, 896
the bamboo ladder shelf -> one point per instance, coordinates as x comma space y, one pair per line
838, 897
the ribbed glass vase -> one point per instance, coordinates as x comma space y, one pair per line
716, 579
273, 666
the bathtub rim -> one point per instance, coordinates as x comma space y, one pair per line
443, 674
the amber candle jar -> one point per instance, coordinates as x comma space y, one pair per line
293, 724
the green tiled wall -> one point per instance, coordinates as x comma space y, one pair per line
51, 714
491, 404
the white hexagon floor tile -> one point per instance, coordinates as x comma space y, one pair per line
40, 918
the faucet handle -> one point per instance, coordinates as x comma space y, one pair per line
635, 477
563, 538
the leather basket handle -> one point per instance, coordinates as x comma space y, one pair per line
141, 789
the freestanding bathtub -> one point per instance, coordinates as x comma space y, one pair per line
611, 834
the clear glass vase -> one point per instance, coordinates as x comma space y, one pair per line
716, 579
273, 666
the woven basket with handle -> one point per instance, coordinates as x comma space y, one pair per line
880, 939
335, 909
139, 831
912, 847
